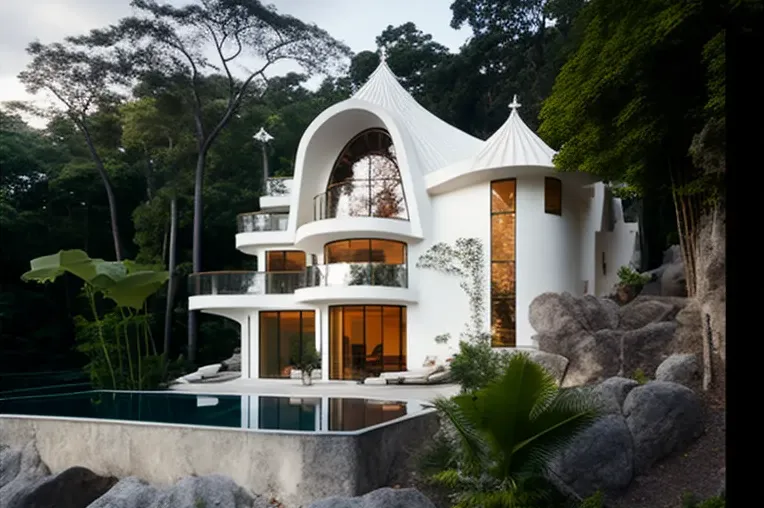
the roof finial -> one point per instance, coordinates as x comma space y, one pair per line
382, 55
514, 104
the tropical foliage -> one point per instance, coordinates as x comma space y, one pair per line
497, 442
118, 342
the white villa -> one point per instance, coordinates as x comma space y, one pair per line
378, 180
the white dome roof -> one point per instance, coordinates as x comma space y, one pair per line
514, 144
437, 143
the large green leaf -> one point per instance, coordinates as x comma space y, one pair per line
127, 283
133, 290
49, 268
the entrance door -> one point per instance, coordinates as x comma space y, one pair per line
366, 340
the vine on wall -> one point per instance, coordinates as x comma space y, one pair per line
465, 259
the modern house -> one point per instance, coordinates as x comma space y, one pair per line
378, 180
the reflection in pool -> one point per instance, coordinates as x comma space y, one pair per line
314, 414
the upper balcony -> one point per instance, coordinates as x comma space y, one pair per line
242, 289
356, 283
357, 209
278, 192
261, 228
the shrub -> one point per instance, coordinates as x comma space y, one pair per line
496, 442
629, 277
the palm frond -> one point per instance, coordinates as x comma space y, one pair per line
473, 447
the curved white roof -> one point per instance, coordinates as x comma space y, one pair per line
514, 144
436, 142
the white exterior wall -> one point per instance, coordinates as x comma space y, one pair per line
547, 250
443, 306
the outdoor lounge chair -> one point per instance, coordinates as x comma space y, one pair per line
431, 373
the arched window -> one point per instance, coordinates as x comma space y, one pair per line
365, 181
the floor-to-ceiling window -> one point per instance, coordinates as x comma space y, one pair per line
366, 261
366, 340
283, 336
503, 263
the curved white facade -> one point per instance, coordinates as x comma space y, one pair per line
381, 312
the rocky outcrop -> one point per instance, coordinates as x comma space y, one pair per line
233, 363
130, 492
600, 458
19, 469
380, 498
669, 278
601, 339
682, 369
663, 418
641, 424
75, 487
207, 491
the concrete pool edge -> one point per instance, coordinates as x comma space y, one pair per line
425, 408
294, 468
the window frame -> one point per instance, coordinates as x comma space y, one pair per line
548, 207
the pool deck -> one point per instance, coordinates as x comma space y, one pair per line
295, 388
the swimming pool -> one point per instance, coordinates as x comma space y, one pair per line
254, 412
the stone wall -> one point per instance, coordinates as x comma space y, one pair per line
293, 468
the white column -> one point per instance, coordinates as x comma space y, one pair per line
324, 414
245, 333
254, 345
322, 316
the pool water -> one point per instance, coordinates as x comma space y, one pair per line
315, 414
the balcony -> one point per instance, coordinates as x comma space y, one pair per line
357, 209
261, 221
211, 290
356, 283
278, 191
261, 228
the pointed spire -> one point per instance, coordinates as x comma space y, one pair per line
514, 104
262, 136
382, 55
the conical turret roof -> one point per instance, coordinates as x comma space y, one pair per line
436, 142
514, 144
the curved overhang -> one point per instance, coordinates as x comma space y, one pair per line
312, 237
323, 141
348, 295
250, 243
461, 175
223, 304
275, 203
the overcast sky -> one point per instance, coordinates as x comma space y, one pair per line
356, 22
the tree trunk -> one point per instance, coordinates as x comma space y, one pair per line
172, 282
109, 193
197, 247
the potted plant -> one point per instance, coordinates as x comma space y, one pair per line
630, 284
308, 361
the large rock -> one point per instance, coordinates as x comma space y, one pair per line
682, 369
611, 394
562, 313
592, 357
646, 348
645, 310
207, 491
233, 363
600, 458
10, 462
673, 280
75, 487
662, 418
130, 492
380, 498
24, 471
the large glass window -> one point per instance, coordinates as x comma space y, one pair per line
366, 340
385, 252
283, 336
503, 263
365, 180
284, 261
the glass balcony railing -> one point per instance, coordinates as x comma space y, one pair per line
260, 221
362, 198
357, 274
244, 283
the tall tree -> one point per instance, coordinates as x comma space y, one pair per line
81, 82
179, 41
